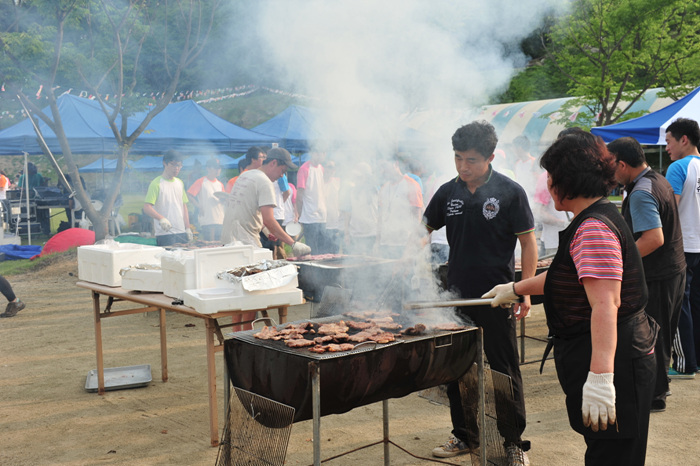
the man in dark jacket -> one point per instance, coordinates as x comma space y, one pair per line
650, 211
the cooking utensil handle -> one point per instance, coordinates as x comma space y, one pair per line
452, 303
447, 338
252, 324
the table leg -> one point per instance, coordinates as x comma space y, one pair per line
211, 376
282, 314
98, 344
163, 347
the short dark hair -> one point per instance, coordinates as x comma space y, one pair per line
477, 135
253, 153
172, 156
628, 150
685, 127
579, 165
569, 130
522, 142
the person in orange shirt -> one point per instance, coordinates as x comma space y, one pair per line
253, 159
4, 184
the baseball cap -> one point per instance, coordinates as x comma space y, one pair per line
282, 156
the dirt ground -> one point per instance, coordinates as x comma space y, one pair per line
47, 416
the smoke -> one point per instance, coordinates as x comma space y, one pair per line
374, 66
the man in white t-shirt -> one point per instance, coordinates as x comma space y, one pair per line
359, 205
250, 207
311, 200
166, 203
400, 210
210, 207
525, 169
682, 139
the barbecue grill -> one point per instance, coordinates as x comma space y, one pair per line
368, 275
333, 383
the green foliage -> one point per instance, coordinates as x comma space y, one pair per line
613, 50
538, 81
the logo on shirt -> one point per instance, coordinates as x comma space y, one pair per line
455, 207
490, 208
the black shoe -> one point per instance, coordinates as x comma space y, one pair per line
13, 308
658, 406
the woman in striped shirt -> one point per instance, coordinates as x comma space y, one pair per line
595, 294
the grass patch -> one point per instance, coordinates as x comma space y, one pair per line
17, 267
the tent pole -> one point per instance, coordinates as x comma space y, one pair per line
26, 189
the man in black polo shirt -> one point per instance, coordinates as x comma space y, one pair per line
650, 211
485, 214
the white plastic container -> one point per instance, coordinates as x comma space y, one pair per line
270, 281
211, 303
150, 280
178, 273
185, 270
101, 263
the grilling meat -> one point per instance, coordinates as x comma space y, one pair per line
417, 329
299, 343
355, 325
267, 333
333, 328
450, 327
332, 348
323, 339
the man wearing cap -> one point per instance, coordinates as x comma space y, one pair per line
166, 203
252, 201
211, 209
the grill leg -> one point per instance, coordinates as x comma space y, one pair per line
315, 370
385, 427
482, 393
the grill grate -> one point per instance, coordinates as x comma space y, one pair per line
256, 431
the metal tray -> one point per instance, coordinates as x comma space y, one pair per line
117, 378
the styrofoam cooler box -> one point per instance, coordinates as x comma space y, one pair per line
213, 300
101, 263
177, 268
185, 270
136, 279
270, 281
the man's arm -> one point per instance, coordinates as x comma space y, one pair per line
273, 226
650, 241
528, 264
150, 210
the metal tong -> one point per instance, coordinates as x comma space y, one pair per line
451, 303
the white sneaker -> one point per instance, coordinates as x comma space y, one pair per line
516, 456
452, 447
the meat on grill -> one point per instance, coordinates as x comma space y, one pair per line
369, 335
333, 328
355, 325
450, 327
332, 348
267, 333
323, 339
299, 343
417, 329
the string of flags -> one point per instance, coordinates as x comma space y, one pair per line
200, 96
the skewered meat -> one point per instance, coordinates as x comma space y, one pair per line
299, 343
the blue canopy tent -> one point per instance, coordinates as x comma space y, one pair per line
101, 165
293, 128
224, 160
651, 128
149, 163
84, 123
185, 126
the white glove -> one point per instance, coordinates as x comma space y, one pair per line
165, 224
190, 235
503, 295
598, 404
300, 249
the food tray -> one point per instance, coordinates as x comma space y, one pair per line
117, 378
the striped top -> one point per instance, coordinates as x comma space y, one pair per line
596, 251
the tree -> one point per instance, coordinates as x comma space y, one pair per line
108, 45
612, 51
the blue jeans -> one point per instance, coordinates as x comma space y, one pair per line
314, 234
